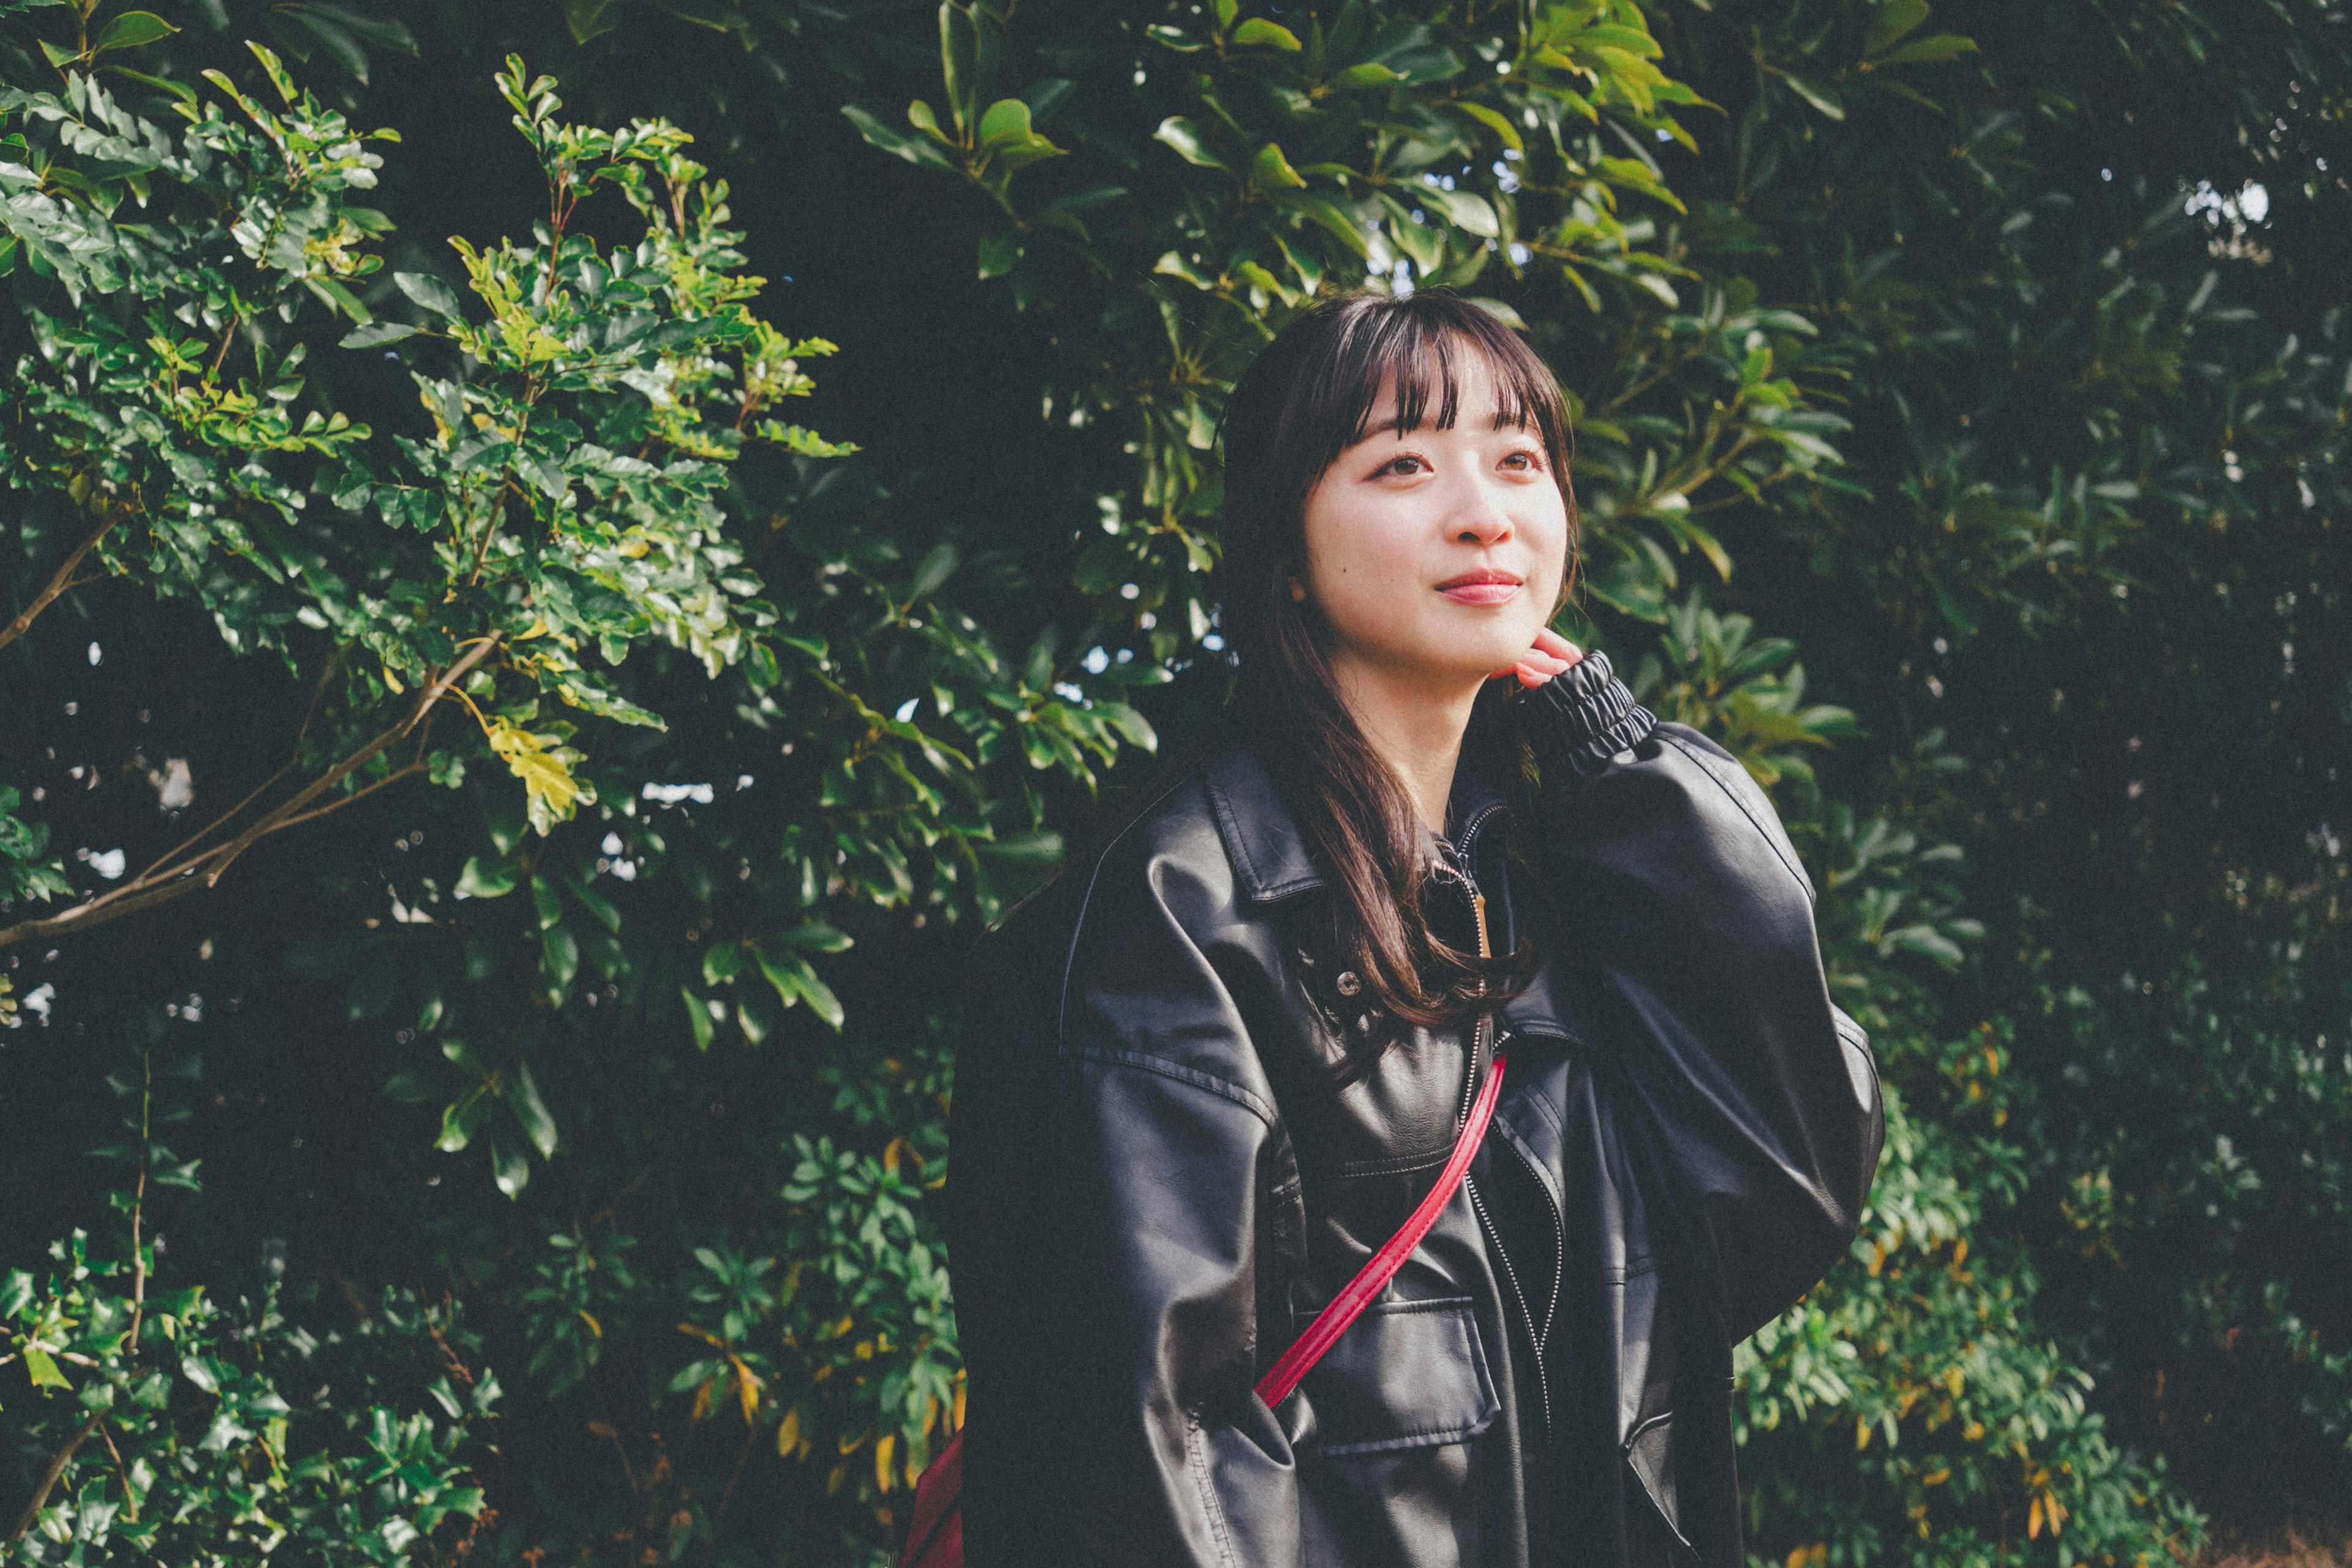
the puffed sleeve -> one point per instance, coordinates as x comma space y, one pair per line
1108, 1171
1680, 889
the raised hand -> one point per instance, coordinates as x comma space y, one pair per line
1551, 655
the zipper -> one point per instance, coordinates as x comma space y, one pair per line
1484, 1043
1519, 1297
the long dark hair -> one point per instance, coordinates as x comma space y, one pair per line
1310, 395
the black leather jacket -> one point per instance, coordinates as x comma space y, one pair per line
1155, 1181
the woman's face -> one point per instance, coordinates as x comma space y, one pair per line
1435, 556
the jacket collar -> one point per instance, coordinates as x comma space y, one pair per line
1262, 838
1270, 854
1271, 861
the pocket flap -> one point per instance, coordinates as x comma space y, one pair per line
1650, 1455
1406, 1374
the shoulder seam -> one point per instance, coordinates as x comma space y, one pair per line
1223, 1088
1704, 767
1086, 904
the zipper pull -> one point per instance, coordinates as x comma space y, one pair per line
1478, 908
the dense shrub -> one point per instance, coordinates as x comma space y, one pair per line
575, 1002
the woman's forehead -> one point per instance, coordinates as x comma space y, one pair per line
1438, 394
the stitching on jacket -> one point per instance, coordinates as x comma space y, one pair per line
1395, 1164
1229, 830
1706, 766
1461, 1307
1196, 1459
1223, 1088
1077, 926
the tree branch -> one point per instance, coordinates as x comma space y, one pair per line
166, 881
61, 581
56, 1467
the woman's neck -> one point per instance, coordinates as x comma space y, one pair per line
1414, 724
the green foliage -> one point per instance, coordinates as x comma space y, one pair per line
760, 725
184, 1430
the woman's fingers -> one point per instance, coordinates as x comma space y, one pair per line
1548, 641
1552, 654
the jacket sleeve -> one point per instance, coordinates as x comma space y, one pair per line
1105, 1267
1680, 889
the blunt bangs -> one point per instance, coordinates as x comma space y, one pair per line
1424, 347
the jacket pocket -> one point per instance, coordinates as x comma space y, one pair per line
1406, 1374
1650, 1455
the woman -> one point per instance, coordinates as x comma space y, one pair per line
1218, 1062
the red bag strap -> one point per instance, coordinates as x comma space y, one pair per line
1374, 1275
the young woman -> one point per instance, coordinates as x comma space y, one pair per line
1222, 1058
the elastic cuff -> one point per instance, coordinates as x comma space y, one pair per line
1586, 716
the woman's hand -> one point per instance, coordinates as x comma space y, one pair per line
1552, 654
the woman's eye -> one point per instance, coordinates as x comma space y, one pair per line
1523, 462
1407, 465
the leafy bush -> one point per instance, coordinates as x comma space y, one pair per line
574, 999
181, 1430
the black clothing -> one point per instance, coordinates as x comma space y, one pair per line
1157, 1181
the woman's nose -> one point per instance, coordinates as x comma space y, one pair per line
1480, 519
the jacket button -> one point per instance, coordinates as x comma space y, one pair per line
1348, 982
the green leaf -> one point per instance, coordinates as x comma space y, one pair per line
1501, 312
937, 568
530, 1109
550, 907
1185, 137
1506, 133
795, 981
697, 1018
589, 18
1006, 122
959, 48
1042, 847
998, 253
375, 335
1272, 34
919, 151
1463, 210
816, 936
131, 30
430, 292
458, 1120
44, 1370
1820, 95
1894, 18
722, 962
559, 962
1271, 169
510, 1168
1939, 49
479, 881
178, 90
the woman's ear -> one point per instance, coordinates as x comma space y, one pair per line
1298, 592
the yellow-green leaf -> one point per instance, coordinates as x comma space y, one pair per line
1271, 168
1274, 35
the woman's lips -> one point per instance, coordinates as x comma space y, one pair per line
1483, 588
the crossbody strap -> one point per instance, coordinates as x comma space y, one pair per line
1374, 1275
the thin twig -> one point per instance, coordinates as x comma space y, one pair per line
61, 581
129, 1493
342, 801
727, 1496
171, 882
138, 1201
56, 1467
209, 828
